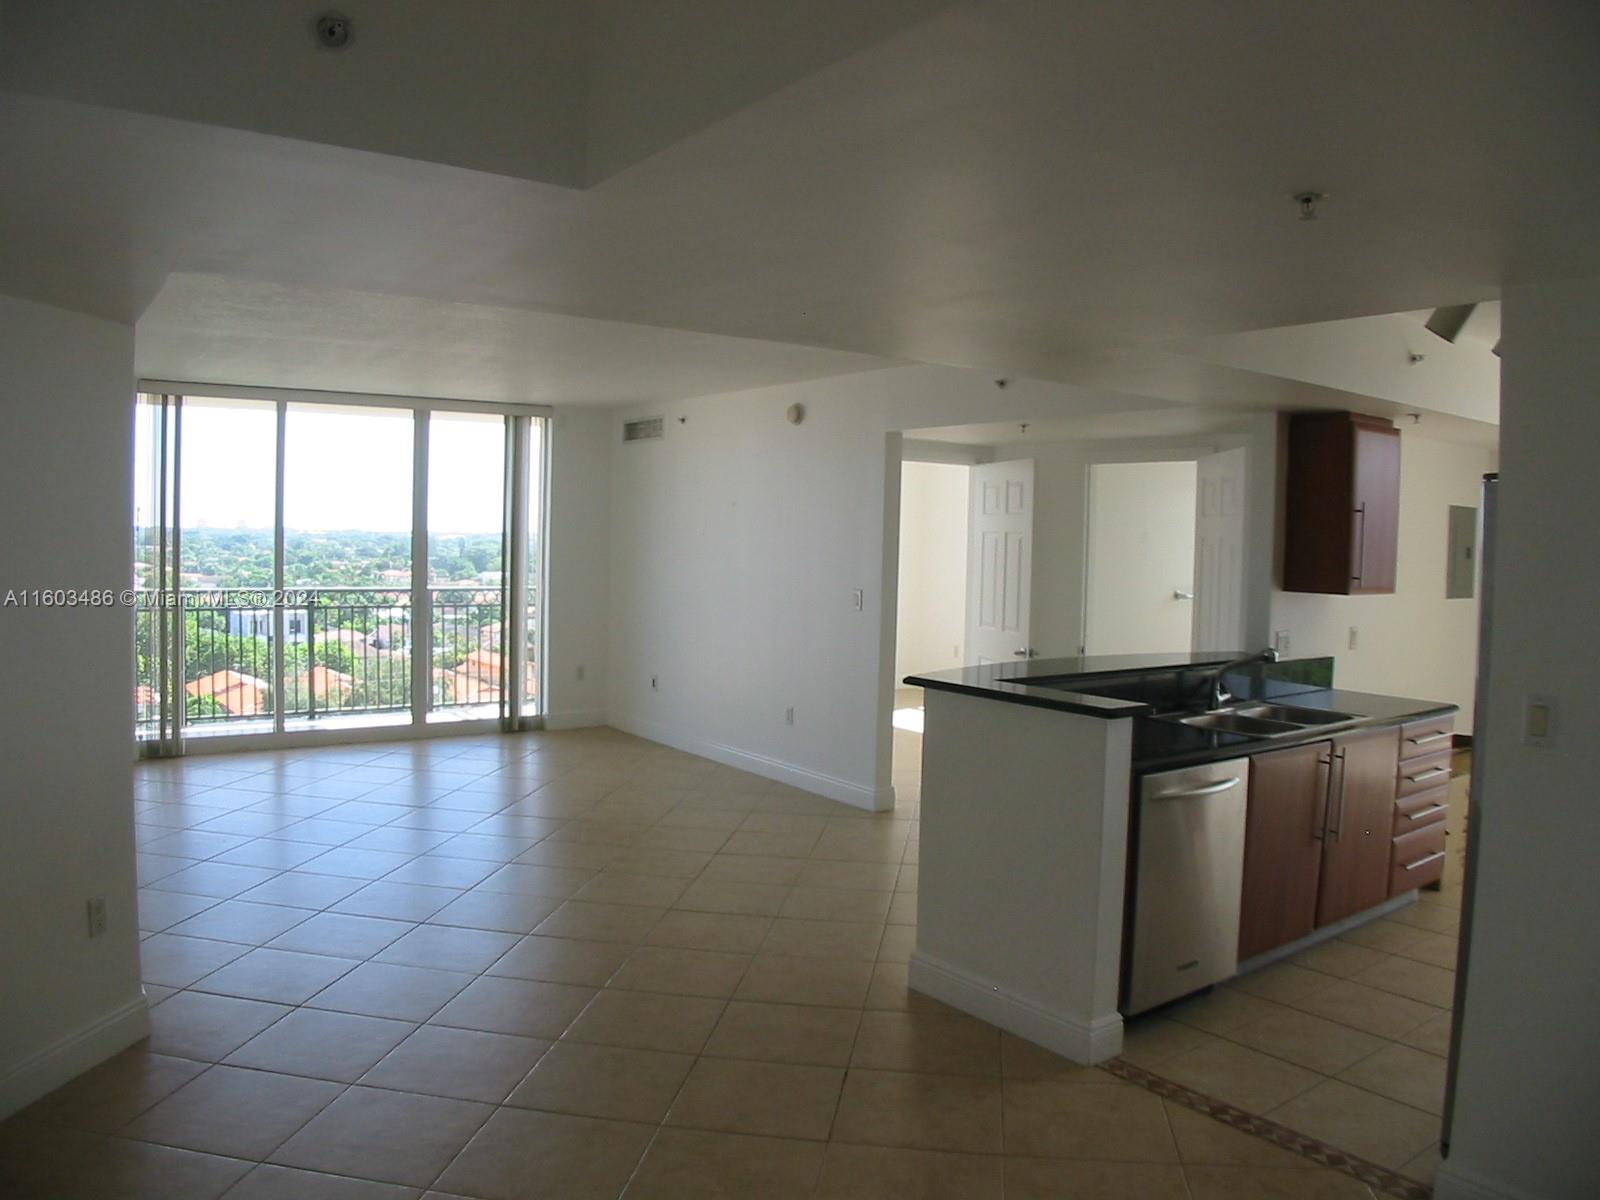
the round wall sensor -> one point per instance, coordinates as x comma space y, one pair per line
795, 413
333, 32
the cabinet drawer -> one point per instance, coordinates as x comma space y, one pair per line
1421, 809
1418, 859
1423, 773
1426, 737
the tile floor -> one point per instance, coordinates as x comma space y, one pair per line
582, 965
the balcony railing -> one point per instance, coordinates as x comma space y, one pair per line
347, 652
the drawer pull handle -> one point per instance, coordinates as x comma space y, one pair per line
1430, 773
1424, 813
1422, 862
1429, 739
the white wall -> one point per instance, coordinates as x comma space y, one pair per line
1527, 1093
66, 710
579, 530
932, 593
1414, 642
736, 543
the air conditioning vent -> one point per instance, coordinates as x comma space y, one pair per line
646, 429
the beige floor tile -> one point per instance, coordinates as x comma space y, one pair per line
280, 976
1048, 1179
926, 1112
750, 868
770, 845
174, 960
530, 879
1432, 917
1402, 1073
1022, 1059
1384, 935
502, 912
1411, 979
823, 939
208, 1028
647, 1021
681, 972
604, 1081
1369, 1009
1272, 1183
782, 980
762, 1098
854, 876
903, 909
712, 894
287, 1183
627, 923
648, 891
1307, 1041
391, 990
728, 932
874, 1172
243, 1114
691, 1163
520, 1155
1220, 1011
1424, 1167
399, 901
837, 904
1282, 982
115, 1092
43, 1162
1433, 1035
342, 935
524, 1007
898, 943
268, 1182
322, 1045
927, 1043
240, 921
1435, 949
1338, 958
562, 960
1370, 1126
1205, 1141
788, 1033
1254, 1081
448, 948
1114, 1122
890, 991
459, 1064
390, 1137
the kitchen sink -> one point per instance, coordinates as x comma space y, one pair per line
1232, 722
1293, 714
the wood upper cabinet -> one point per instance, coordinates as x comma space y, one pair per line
1283, 846
1342, 504
1359, 830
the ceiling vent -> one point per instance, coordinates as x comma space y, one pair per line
646, 429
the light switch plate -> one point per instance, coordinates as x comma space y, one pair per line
1539, 721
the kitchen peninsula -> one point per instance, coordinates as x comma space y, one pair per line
1030, 871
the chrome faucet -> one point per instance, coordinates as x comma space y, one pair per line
1216, 694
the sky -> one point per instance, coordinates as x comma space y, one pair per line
344, 468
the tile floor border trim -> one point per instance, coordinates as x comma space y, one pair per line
1091, 1042
857, 795
1383, 1179
68, 1057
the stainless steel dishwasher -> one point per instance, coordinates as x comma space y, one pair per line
1188, 875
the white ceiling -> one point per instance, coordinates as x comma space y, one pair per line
1037, 189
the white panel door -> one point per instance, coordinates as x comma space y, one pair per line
999, 561
1140, 577
1219, 533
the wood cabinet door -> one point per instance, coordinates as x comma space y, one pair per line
1283, 846
1355, 851
1375, 530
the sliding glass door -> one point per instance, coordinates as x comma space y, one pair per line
306, 566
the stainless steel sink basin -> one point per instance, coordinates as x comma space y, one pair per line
1232, 722
1293, 714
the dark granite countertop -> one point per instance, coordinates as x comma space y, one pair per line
1138, 686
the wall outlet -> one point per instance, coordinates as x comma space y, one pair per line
788, 715
955, 651
97, 916
857, 599
1354, 637
653, 685
580, 672
1280, 641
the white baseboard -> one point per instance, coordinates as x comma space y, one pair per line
854, 794
1453, 1182
66, 1058
584, 719
1083, 1041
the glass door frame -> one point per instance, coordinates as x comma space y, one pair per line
514, 712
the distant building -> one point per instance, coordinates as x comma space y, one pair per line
238, 694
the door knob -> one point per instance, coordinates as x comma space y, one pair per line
1179, 594
1025, 652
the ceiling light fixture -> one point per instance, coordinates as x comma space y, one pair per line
1308, 202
